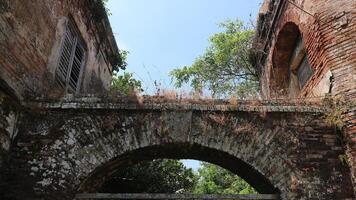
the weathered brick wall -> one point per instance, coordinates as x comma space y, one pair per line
30, 38
329, 38
328, 29
70, 147
9, 115
350, 138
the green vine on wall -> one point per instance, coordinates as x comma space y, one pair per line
343, 159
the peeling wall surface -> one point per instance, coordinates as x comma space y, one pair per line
66, 148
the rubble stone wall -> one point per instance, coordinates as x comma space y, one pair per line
72, 147
9, 117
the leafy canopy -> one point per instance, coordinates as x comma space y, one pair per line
224, 69
171, 176
125, 84
213, 179
157, 176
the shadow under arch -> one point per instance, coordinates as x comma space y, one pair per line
179, 151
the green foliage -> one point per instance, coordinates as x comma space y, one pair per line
158, 176
171, 176
125, 83
247, 88
225, 68
107, 10
216, 180
343, 159
120, 61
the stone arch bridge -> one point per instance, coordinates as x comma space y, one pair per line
74, 146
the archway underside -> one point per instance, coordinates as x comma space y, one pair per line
180, 151
295, 152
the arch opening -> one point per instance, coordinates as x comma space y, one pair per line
291, 69
179, 151
156, 176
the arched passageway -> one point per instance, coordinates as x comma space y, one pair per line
74, 147
179, 151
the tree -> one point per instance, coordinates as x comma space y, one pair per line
126, 83
216, 180
157, 176
171, 176
225, 68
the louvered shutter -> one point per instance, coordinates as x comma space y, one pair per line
71, 61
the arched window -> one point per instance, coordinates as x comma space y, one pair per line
291, 69
71, 59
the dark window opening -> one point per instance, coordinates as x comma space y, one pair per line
71, 60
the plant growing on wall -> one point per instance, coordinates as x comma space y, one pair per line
126, 83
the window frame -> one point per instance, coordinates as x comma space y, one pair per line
304, 65
70, 27
297, 59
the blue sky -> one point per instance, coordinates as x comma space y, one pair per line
164, 34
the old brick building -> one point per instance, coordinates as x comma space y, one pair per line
307, 49
54, 45
56, 140
48, 49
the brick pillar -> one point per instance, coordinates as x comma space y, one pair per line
350, 136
